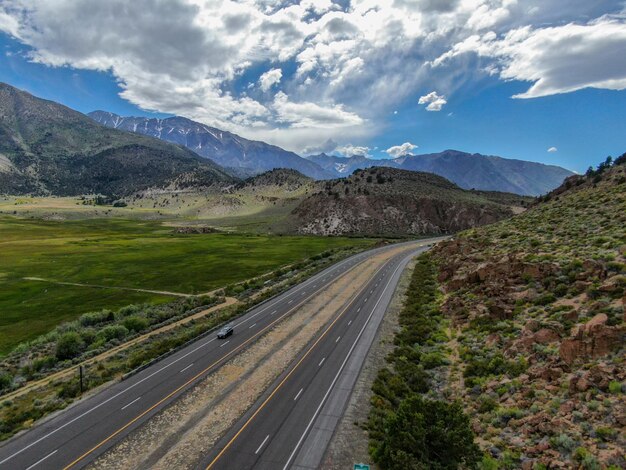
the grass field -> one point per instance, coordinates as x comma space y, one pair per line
123, 253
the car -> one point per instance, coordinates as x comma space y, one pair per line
225, 332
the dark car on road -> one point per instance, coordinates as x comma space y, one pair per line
225, 332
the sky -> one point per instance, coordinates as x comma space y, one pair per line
539, 80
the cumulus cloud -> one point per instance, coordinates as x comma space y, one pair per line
327, 147
557, 59
399, 150
350, 150
433, 101
553, 150
353, 62
270, 78
307, 114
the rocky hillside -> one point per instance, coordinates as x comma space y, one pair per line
288, 180
387, 201
469, 171
229, 150
536, 347
47, 148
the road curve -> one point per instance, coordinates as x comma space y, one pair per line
78, 435
291, 424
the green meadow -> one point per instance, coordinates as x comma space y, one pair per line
122, 253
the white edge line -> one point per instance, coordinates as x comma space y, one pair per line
121, 392
343, 364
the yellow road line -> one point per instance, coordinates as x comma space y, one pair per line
134, 420
214, 461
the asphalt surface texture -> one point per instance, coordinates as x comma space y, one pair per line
271, 432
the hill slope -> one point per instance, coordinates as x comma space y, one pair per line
47, 148
469, 171
537, 302
388, 201
224, 148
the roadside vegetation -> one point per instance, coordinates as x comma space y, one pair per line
410, 425
536, 304
120, 254
95, 333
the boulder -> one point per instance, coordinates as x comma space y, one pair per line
592, 340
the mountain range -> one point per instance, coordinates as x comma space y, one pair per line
224, 148
469, 171
243, 157
47, 148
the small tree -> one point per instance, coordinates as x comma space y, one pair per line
427, 434
69, 345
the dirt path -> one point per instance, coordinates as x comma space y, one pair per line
72, 370
180, 435
97, 286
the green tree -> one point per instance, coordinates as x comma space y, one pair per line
69, 345
427, 434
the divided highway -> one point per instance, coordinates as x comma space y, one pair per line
274, 426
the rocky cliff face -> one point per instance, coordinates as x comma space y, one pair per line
386, 201
537, 308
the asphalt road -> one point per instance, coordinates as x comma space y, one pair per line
78, 435
273, 434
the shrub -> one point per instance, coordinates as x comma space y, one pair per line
96, 318
605, 433
615, 387
135, 323
427, 434
111, 332
487, 404
488, 463
563, 443
6, 380
68, 345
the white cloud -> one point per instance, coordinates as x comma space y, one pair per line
350, 150
399, 150
307, 114
553, 150
270, 78
558, 59
355, 62
434, 101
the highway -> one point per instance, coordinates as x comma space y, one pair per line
77, 436
272, 434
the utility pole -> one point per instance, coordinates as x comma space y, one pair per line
80, 369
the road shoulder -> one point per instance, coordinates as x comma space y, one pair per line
349, 443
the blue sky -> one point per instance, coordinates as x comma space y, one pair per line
343, 77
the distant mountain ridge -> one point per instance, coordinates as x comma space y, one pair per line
469, 171
224, 148
47, 148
